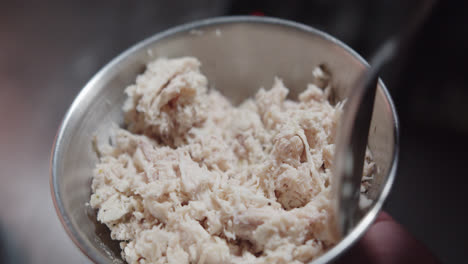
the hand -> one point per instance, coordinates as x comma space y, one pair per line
387, 242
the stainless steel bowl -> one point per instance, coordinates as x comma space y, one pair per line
239, 55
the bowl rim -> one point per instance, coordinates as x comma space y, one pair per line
329, 255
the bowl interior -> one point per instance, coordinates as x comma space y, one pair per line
238, 55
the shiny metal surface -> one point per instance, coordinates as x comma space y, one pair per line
351, 142
239, 54
354, 129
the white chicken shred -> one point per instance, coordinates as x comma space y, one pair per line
194, 179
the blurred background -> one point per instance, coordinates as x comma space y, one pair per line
50, 49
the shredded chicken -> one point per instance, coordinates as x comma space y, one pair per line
194, 179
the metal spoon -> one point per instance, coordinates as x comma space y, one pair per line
355, 122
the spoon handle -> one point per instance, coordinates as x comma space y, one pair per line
355, 123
